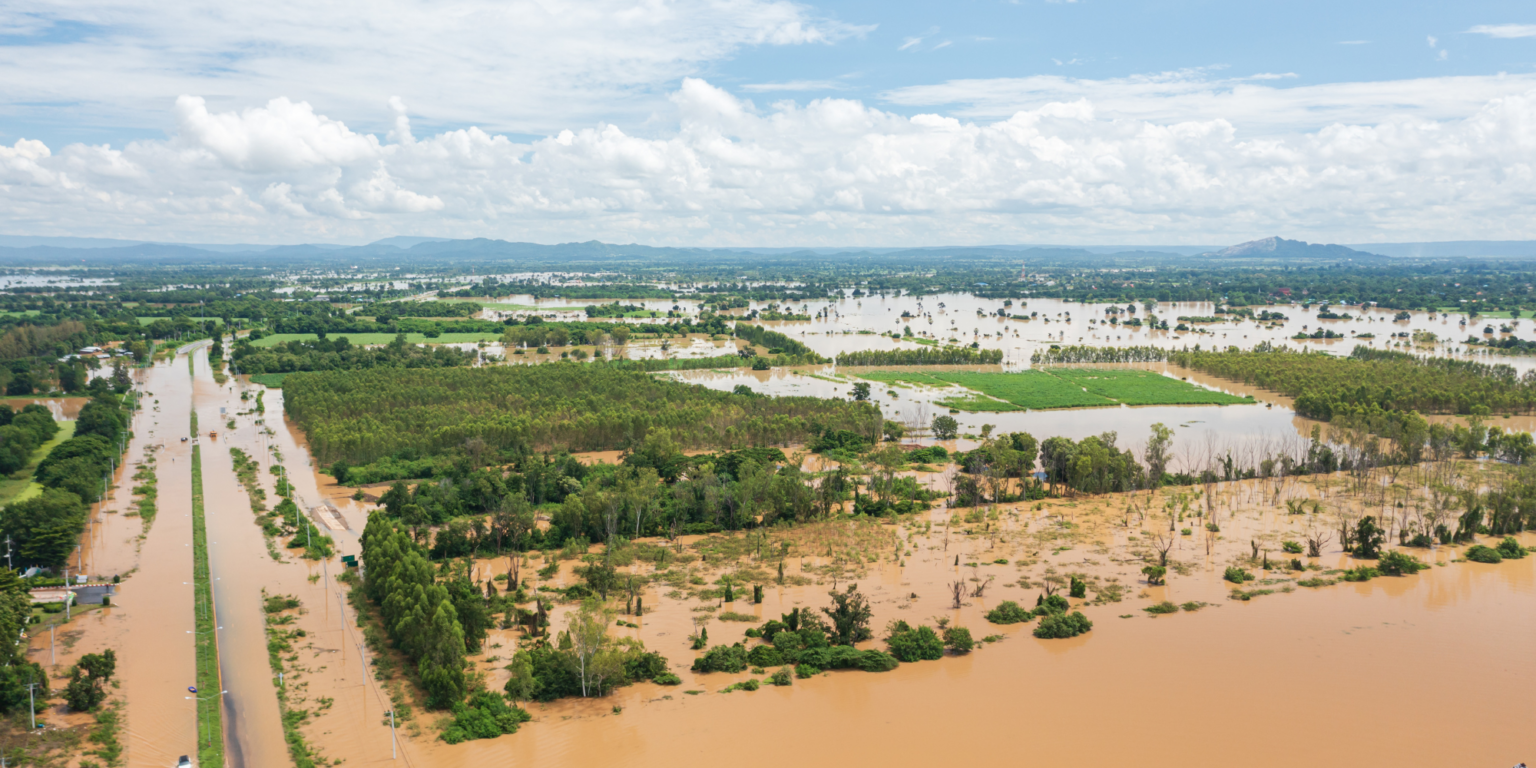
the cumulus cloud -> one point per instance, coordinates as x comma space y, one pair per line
529, 66
827, 171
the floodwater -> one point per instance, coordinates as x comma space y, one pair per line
1346, 671
60, 407
150, 622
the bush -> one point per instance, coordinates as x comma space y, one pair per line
958, 639
1363, 573
765, 656
667, 678
1395, 563
877, 661
485, 716
722, 658
1078, 589
1160, 608
909, 645
1155, 574
1237, 575
1052, 604
1291, 547
804, 671
1510, 549
1422, 541
782, 677
1008, 612
745, 685
1063, 625
1478, 553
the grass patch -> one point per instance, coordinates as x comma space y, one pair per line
273, 380
1136, 387
1035, 389
210, 751
18, 486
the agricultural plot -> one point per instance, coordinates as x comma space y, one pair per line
1057, 388
1030, 389
1134, 387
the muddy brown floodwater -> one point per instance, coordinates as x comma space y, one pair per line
1432, 669
150, 623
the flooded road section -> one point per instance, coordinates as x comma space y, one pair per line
151, 619
240, 567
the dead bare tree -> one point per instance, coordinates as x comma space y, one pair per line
981, 587
957, 592
1316, 540
1162, 544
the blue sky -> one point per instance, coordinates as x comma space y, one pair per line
768, 122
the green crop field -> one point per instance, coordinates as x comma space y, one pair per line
1043, 389
1028, 389
1134, 387
365, 339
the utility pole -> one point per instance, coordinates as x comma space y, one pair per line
8, 563
32, 703
392, 742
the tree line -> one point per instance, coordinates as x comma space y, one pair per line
364, 416
341, 354
1393, 381
922, 355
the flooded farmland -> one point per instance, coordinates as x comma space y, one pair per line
1253, 680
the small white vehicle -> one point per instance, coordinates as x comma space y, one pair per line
184, 762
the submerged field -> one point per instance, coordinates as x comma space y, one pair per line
1046, 389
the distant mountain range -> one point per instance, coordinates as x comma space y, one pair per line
1281, 248
19, 250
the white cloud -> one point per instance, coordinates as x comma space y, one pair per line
1255, 109
795, 85
1354, 42
829, 171
909, 42
1504, 30
1433, 41
528, 66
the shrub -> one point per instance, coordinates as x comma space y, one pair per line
1317, 582
1237, 575
1510, 549
1478, 553
804, 671
1008, 612
722, 658
1395, 563
765, 656
1423, 541
1363, 573
745, 685
958, 639
667, 678
1078, 589
877, 661
909, 645
1063, 625
1155, 574
485, 716
782, 677
1291, 547
1052, 604
1160, 608
1368, 538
